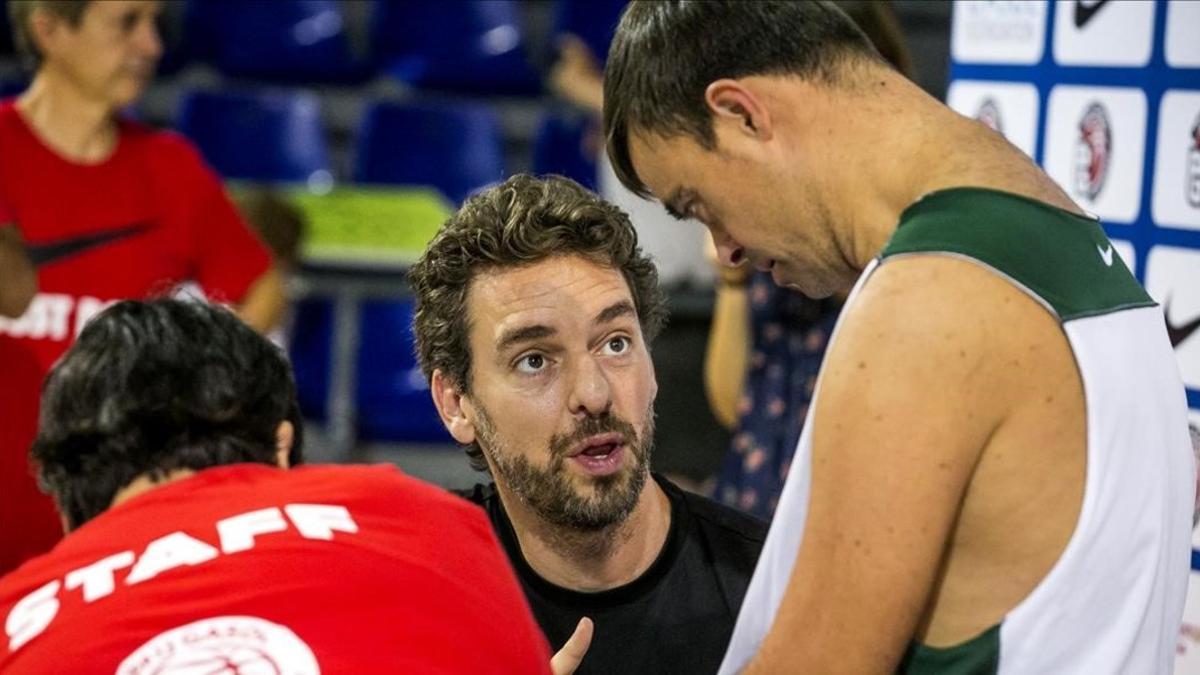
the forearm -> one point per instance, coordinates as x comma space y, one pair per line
727, 355
264, 304
18, 276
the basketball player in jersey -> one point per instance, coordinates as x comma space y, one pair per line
995, 474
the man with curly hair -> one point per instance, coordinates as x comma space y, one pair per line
535, 312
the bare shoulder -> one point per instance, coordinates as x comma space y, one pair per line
941, 326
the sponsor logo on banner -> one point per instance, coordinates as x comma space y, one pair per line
1192, 168
989, 114
1092, 152
1182, 47
998, 31
1173, 279
1176, 198
225, 644
1010, 108
1095, 147
1103, 33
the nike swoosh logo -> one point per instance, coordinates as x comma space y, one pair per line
1177, 334
44, 254
1084, 11
1106, 254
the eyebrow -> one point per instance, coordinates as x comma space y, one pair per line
524, 334
617, 309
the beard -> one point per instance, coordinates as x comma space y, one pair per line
551, 493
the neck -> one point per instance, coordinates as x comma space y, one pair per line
145, 483
591, 561
906, 144
78, 127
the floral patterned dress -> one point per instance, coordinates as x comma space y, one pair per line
789, 334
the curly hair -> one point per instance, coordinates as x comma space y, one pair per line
519, 222
153, 387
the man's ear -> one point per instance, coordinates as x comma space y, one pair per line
737, 110
44, 28
452, 406
285, 437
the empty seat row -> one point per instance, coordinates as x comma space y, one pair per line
277, 137
465, 45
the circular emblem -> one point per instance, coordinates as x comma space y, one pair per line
1094, 151
223, 645
1192, 167
989, 114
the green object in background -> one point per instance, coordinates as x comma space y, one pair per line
370, 225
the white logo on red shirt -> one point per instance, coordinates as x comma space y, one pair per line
32, 615
246, 645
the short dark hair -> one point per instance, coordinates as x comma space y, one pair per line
152, 387
666, 53
20, 13
519, 222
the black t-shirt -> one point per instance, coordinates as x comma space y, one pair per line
675, 618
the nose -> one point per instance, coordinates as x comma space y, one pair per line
591, 393
149, 40
729, 253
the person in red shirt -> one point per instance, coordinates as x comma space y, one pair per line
105, 209
166, 438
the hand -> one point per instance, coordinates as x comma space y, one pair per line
567, 659
577, 76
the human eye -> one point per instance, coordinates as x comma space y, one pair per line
618, 344
531, 364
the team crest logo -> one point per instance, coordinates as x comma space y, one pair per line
246, 645
1093, 153
989, 114
1192, 170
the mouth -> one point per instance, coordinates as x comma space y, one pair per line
600, 455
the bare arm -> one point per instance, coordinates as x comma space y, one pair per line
728, 353
912, 390
265, 301
18, 277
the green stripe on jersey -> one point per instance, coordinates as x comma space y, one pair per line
1063, 258
978, 656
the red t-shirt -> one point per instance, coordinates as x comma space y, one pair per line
349, 569
149, 217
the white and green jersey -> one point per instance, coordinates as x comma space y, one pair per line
1113, 601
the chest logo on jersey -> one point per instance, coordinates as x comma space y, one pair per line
34, 613
49, 252
223, 644
52, 316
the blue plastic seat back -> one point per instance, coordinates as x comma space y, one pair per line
272, 136
566, 144
454, 148
394, 403
280, 40
464, 45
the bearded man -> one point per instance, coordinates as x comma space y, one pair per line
535, 310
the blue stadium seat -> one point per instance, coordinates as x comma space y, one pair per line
393, 397
593, 21
268, 136
310, 350
280, 40
454, 148
562, 147
465, 45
